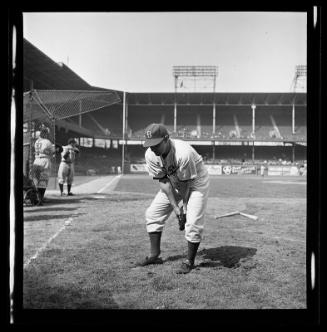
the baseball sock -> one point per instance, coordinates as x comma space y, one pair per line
61, 187
192, 249
42, 192
39, 195
69, 187
155, 238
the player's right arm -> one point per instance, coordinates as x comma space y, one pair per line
168, 189
155, 170
65, 153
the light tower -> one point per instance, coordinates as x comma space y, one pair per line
299, 83
195, 78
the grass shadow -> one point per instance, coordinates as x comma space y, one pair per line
174, 258
94, 197
45, 209
227, 256
64, 200
46, 217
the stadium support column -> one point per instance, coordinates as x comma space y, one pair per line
30, 153
175, 104
253, 119
124, 126
213, 130
214, 119
293, 119
253, 106
175, 117
53, 122
80, 114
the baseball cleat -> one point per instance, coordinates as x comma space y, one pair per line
70, 194
150, 260
186, 267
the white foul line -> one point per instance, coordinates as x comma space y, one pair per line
108, 184
67, 222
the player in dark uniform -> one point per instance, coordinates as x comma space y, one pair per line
66, 167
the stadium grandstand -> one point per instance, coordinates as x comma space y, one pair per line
225, 128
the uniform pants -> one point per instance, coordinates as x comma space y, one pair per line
160, 210
40, 172
66, 173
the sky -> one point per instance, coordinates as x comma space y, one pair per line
135, 51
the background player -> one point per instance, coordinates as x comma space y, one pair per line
40, 171
66, 167
182, 176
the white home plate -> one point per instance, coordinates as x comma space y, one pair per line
99, 196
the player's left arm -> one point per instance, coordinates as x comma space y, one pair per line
185, 191
167, 188
186, 174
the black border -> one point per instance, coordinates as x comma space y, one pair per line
177, 318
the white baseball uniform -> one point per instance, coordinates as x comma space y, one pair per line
41, 168
66, 168
182, 163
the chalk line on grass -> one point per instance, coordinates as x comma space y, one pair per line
113, 182
41, 249
132, 193
67, 222
284, 182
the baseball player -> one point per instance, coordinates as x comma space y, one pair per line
40, 171
66, 167
182, 178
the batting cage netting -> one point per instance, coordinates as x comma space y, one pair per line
43, 108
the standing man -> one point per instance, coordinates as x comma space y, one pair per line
66, 167
182, 176
41, 167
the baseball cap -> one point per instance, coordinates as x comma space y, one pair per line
154, 134
44, 131
71, 141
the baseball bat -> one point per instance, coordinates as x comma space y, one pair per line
249, 216
228, 214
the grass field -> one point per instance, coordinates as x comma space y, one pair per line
80, 251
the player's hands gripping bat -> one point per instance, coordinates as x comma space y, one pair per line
181, 219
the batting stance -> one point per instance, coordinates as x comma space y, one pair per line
40, 171
182, 178
66, 167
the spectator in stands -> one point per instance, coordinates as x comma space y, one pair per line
40, 172
66, 167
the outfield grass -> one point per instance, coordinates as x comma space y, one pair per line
241, 264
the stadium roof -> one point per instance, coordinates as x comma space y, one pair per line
47, 74
42, 73
224, 99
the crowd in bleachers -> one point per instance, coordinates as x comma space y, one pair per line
97, 160
195, 123
108, 161
192, 124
